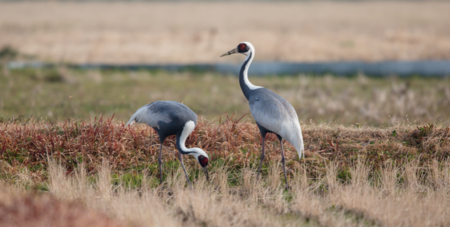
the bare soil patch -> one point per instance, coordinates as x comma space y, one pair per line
19, 209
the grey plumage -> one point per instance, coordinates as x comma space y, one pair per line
171, 118
272, 113
276, 115
163, 112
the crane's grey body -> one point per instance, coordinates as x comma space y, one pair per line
166, 117
170, 118
272, 113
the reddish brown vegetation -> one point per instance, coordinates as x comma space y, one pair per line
235, 142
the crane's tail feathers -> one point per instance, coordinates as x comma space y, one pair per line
133, 118
139, 116
299, 146
298, 139
130, 122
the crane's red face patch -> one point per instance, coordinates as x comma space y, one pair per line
242, 48
203, 160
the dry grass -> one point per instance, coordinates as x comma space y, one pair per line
185, 32
396, 196
351, 176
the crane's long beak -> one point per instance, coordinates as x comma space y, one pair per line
233, 51
205, 169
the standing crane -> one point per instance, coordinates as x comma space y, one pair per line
172, 118
272, 113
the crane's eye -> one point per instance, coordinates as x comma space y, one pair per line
242, 47
203, 160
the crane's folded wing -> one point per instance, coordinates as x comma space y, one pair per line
278, 116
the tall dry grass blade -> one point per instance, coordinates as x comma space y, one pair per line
248, 180
273, 179
219, 178
412, 177
59, 184
104, 180
389, 178
439, 175
360, 174
331, 176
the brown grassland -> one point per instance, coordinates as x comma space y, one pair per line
349, 176
196, 32
376, 152
376, 149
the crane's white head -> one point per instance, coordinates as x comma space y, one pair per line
202, 159
200, 155
244, 48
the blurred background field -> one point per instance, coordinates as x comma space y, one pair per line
61, 93
199, 32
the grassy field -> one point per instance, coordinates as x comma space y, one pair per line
197, 32
103, 173
370, 167
376, 149
61, 93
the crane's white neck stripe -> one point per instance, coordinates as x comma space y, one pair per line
251, 56
187, 130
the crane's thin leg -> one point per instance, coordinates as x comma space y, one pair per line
262, 159
284, 163
185, 173
160, 163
